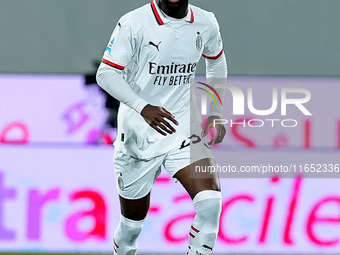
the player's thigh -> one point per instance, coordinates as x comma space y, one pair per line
134, 181
135, 209
195, 183
182, 161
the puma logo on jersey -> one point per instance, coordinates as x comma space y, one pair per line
153, 44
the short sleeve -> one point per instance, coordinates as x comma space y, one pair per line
213, 48
122, 46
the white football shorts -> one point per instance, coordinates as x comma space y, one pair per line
135, 177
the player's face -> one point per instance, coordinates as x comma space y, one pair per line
174, 2
174, 8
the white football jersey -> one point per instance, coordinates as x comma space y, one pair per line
158, 56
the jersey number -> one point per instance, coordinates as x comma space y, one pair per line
191, 140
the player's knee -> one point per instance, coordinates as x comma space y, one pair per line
208, 205
126, 236
208, 202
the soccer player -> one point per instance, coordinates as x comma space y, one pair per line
148, 66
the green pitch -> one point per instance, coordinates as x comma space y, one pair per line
35, 253
38, 253
52, 253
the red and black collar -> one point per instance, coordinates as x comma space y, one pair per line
161, 18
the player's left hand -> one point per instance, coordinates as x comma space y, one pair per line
220, 130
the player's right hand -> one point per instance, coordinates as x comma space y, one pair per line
155, 117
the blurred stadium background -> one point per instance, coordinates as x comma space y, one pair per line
57, 191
